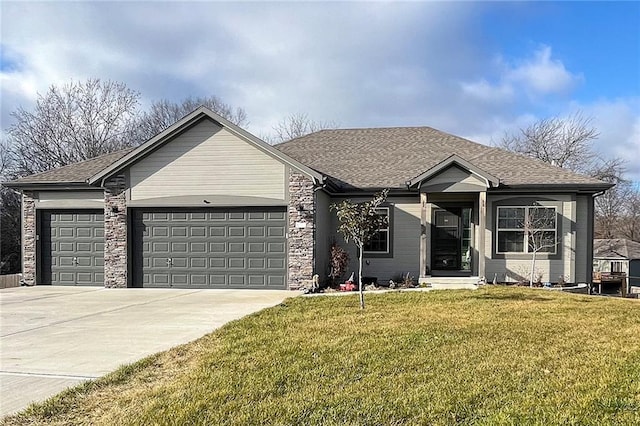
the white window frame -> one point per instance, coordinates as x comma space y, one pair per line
386, 211
616, 264
524, 234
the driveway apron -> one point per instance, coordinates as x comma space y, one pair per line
55, 337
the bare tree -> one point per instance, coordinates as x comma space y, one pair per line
563, 142
295, 126
566, 142
9, 216
618, 212
164, 113
75, 122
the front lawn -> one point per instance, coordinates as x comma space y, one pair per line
491, 356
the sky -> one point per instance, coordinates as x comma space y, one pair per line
474, 69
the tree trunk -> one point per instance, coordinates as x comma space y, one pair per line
360, 249
533, 268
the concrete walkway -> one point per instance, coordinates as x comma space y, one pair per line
55, 337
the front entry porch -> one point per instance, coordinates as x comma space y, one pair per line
452, 239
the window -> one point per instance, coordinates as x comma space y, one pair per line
380, 243
617, 266
540, 222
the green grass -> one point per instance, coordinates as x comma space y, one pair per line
491, 356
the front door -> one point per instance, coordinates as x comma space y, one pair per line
451, 239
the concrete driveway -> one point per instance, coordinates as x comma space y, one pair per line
55, 337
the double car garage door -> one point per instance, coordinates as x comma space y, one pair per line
187, 248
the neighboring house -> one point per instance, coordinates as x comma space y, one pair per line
206, 204
617, 256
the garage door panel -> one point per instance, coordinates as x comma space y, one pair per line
179, 262
257, 263
217, 263
84, 247
217, 280
198, 279
257, 280
236, 263
84, 232
198, 263
237, 280
179, 231
65, 247
160, 231
276, 247
198, 247
256, 231
236, 247
218, 248
275, 281
198, 231
275, 263
257, 247
66, 232
179, 247
275, 231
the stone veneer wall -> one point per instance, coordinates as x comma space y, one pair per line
115, 232
301, 245
28, 238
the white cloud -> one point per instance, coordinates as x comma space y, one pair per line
618, 122
536, 76
542, 75
357, 64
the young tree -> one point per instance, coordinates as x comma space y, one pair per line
360, 222
540, 233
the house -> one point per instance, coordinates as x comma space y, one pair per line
617, 256
206, 204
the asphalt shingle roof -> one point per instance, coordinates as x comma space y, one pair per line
372, 158
388, 157
617, 248
74, 173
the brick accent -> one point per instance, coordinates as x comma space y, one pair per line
301, 245
115, 232
28, 238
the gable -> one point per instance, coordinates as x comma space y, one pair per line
207, 159
453, 179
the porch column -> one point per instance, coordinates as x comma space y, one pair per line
482, 226
423, 234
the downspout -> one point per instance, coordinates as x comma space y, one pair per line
319, 185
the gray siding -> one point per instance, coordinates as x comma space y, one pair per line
207, 160
406, 244
511, 267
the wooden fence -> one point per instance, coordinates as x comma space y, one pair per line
12, 280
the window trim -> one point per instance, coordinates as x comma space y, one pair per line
388, 252
524, 237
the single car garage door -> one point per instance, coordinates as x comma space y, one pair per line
210, 248
72, 247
